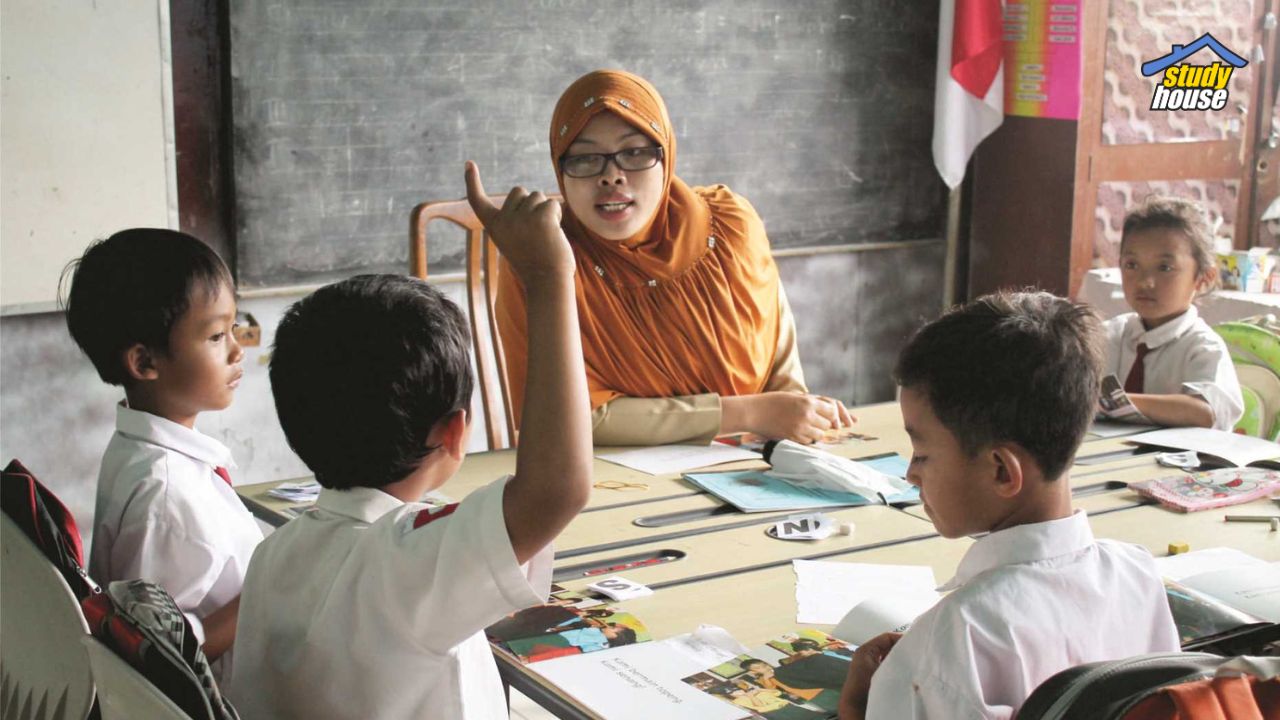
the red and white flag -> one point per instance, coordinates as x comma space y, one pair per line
969, 99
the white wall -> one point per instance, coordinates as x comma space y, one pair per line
85, 134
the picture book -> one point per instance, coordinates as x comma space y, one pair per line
1220, 591
798, 675
1232, 449
570, 623
1189, 492
642, 682
757, 491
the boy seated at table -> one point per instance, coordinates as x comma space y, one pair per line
996, 396
372, 605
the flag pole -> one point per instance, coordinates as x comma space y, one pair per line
950, 265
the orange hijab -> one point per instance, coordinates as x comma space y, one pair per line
688, 305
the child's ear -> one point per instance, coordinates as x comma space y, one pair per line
453, 434
140, 362
1008, 471
1207, 280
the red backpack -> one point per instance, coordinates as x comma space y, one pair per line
43, 518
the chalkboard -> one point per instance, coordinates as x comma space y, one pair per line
347, 113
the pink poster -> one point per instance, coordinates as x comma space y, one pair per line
1042, 58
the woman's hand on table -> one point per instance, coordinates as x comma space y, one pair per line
791, 416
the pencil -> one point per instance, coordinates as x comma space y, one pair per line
1250, 518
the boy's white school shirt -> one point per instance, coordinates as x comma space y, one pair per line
164, 515
367, 607
1026, 603
1184, 357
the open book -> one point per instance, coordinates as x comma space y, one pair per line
798, 675
1217, 592
756, 491
1189, 492
1232, 449
570, 623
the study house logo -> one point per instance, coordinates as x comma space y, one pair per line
1193, 87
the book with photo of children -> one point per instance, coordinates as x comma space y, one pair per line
798, 675
570, 623
1189, 492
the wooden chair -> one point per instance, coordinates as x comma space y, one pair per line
44, 674
482, 289
123, 692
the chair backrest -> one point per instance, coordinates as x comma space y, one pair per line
482, 289
124, 693
1254, 345
43, 669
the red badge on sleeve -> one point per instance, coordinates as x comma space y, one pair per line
432, 514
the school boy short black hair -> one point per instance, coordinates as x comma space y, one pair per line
1018, 367
362, 370
133, 288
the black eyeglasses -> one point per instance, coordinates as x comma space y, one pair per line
592, 164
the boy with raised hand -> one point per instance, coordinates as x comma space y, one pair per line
371, 605
996, 398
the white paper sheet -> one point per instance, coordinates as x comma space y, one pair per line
826, 591
666, 459
646, 681
1236, 449
876, 615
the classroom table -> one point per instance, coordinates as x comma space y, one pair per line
726, 571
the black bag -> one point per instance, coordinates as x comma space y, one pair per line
142, 624
1109, 690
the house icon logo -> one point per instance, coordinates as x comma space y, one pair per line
1193, 87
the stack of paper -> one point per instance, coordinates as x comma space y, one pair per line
665, 459
296, 492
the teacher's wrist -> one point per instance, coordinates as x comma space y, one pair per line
736, 414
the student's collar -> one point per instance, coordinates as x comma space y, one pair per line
156, 430
1023, 544
1167, 332
365, 504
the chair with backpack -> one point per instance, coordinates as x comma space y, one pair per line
1161, 686
159, 664
44, 674
123, 693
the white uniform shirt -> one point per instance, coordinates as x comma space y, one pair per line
1184, 356
1027, 602
350, 611
164, 515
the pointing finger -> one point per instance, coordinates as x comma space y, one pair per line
480, 203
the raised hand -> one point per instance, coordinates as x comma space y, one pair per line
526, 229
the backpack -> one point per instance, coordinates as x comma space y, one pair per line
44, 519
142, 624
1161, 686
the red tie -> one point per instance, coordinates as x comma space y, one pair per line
222, 473
1137, 374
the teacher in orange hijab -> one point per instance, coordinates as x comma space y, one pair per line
686, 332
